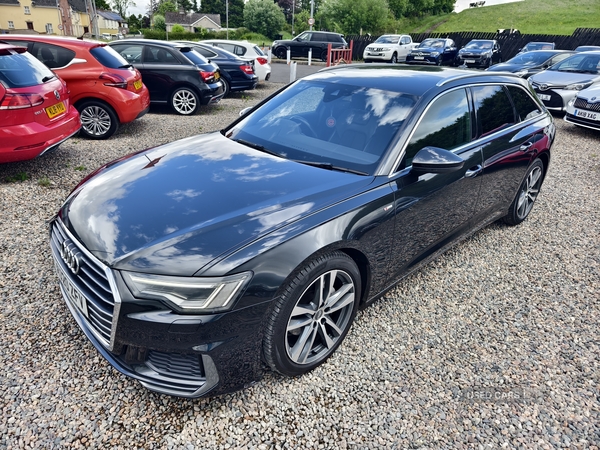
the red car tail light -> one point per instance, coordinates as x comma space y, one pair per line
20, 101
207, 76
262, 61
246, 68
114, 80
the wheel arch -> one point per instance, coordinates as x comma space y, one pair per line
90, 98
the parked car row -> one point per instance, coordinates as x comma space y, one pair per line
104, 84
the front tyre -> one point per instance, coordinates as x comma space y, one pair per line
98, 120
394, 59
313, 315
527, 194
184, 101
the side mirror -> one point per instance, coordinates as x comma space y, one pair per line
436, 160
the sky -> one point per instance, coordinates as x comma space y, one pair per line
142, 5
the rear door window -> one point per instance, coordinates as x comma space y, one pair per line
526, 107
493, 109
318, 37
52, 56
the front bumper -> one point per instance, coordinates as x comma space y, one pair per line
384, 55
473, 61
555, 99
427, 60
181, 355
583, 114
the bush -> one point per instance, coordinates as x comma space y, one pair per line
177, 29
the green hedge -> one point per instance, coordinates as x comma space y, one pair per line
185, 36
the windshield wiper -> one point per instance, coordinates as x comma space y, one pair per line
126, 66
256, 147
329, 166
48, 78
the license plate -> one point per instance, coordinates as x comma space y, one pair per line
137, 84
470, 61
55, 110
420, 58
217, 75
587, 114
544, 97
73, 295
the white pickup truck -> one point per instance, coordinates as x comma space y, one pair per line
389, 48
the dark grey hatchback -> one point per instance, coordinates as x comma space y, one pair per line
254, 246
173, 73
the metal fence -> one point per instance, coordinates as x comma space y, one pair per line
510, 41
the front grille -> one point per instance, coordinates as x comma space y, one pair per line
555, 101
90, 280
582, 103
176, 365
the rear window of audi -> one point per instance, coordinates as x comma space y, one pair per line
194, 56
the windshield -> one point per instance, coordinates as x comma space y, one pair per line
580, 63
539, 46
530, 58
479, 45
387, 40
341, 125
432, 43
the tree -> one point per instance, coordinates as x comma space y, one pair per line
264, 17
166, 7
101, 4
185, 5
354, 16
121, 6
213, 7
236, 14
159, 22
134, 23
177, 28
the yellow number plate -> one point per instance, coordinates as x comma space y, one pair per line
55, 110
138, 84
217, 75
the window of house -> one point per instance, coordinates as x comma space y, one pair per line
27, 10
49, 28
446, 124
493, 108
11, 24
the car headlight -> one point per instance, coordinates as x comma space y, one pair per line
572, 101
578, 86
521, 73
434, 54
188, 294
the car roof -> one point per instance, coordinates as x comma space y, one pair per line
57, 40
422, 78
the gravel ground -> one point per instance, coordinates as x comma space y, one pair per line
493, 345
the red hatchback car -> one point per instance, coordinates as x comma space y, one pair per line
103, 86
36, 114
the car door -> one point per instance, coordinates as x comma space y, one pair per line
450, 51
300, 44
496, 53
432, 208
510, 138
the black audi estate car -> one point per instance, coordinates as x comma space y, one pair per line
195, 265
173, 73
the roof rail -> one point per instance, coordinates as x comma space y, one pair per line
471, 74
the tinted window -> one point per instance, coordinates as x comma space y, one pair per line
558, 58
446, 124
159, 55
205, 52
318, 37
52, 55
334, 38
258, 50
132, 53
22, 70
526, 107
194, 56
493, 108
108, 57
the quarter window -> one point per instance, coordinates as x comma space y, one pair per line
446, 124
493, 108
524, 104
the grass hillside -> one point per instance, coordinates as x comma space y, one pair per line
528, 16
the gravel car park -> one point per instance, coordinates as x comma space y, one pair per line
493, 344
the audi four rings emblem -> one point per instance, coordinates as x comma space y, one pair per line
69, 257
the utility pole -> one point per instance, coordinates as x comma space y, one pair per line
293, 8
312, 11
227, 16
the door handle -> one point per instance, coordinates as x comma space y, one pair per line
526, 146
474, 171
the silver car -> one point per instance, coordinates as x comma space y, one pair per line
560, 83
584, 109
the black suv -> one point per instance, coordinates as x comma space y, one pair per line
479, 53
317, 40
173, 73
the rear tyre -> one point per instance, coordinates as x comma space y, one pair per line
313, 315
527, 194
324, 56
98, 120
226, 87
184, 101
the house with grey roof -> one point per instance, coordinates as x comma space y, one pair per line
193, 21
